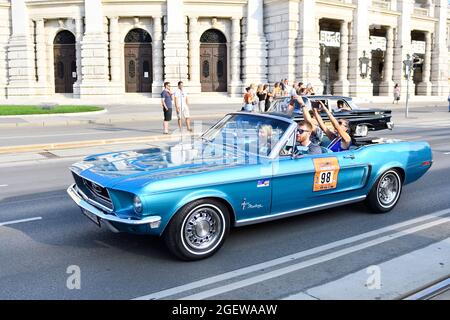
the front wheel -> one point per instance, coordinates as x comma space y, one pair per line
198, 230
385, 192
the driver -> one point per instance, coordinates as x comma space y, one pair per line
305, 146
342, 106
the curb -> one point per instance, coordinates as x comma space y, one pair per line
89, 143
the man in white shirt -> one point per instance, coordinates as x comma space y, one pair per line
182, 106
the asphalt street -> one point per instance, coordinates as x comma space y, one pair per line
43, 235
12, 136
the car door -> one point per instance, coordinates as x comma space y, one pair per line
317, 180
339, 176
292, 184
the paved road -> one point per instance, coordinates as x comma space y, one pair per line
56, 134
35, 254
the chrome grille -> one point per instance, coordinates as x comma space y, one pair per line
93, 191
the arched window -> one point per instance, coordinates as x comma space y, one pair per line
213, 36
138, 36
64, 37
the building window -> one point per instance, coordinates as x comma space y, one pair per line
64, 37
138, 36
213, 36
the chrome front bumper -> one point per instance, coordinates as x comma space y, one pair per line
153, 221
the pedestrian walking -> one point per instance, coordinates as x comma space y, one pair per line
248, 100
262, 95
269, 98
277, 91
396, 93
166, 103
182, 106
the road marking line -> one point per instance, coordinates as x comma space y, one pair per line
3, 185
446, 152
19, 221
397, 277
288, 258
308, 263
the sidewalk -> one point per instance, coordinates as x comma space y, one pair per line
147, 109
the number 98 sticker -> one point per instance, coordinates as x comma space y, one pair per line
327, 171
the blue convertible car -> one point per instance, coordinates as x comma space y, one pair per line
245, 169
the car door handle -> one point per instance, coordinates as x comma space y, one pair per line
349, 156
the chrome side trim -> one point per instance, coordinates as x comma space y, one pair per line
291, 213
155, 220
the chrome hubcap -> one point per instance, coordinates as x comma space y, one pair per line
388, 189
202, 228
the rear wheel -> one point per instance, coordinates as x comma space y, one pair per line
198, 230
385, 192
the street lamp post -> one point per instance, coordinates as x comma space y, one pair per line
408, 62
411, 63
364, 65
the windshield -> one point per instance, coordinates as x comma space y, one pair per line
248, 133
282, 105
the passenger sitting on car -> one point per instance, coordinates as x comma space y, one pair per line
317, 132
265, 139
340, 139
305, 146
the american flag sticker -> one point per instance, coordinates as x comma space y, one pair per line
263, 183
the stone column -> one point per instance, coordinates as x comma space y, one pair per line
359, 87
194, 56
308, 48
402, 46
439, 67
4, 37
235, 86
255, 45
94, 53
175, 43
157, 53
387, 85
78, 38
114, 48
341, 87
21, 68
41, 56
424, 87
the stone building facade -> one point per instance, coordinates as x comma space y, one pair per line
112, 47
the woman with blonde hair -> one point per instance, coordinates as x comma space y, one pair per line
265, 139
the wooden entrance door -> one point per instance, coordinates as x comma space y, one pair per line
213, 67
138, 67
65, 67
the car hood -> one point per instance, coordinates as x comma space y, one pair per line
140, 167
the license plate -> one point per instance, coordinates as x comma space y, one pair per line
91, 217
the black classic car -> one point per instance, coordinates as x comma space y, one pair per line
361, 120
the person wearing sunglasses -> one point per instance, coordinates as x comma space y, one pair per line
339, 137
304, 144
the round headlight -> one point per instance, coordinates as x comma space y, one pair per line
137, 204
